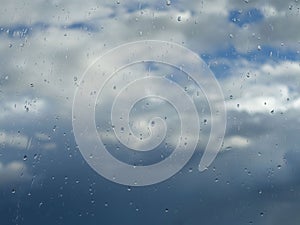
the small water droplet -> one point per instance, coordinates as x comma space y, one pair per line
168, 2
25, 157
166, 210
258, 47
279, 167
231, 35
179, 18
13, 191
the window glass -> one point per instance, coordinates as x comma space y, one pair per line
149, 112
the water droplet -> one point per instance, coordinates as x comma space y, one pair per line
10, 45
168, 2
166, 210
75, 79
118, 2
179, 18
279, 167
217, 180
231, 35
13, 191
25, 157
260, 192
128, 188
228, 148
261, 214
105, 204
190, 170
258, 47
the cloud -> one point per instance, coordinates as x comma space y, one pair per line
13, 172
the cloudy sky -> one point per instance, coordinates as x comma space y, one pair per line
253, 49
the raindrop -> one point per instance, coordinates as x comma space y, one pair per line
105, 204
228, 148
75, 79
168, 2
179, 18
258, 47
10, 45
279, 167
231, 35
260, 192
25, 157
166, 210
190, 170
261, 214
13, 191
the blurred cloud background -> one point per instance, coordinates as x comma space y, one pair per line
253, 48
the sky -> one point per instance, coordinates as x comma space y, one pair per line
253, 49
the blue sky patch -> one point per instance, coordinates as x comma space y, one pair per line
242, 17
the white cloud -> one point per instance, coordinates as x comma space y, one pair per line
14, 140
13, 172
